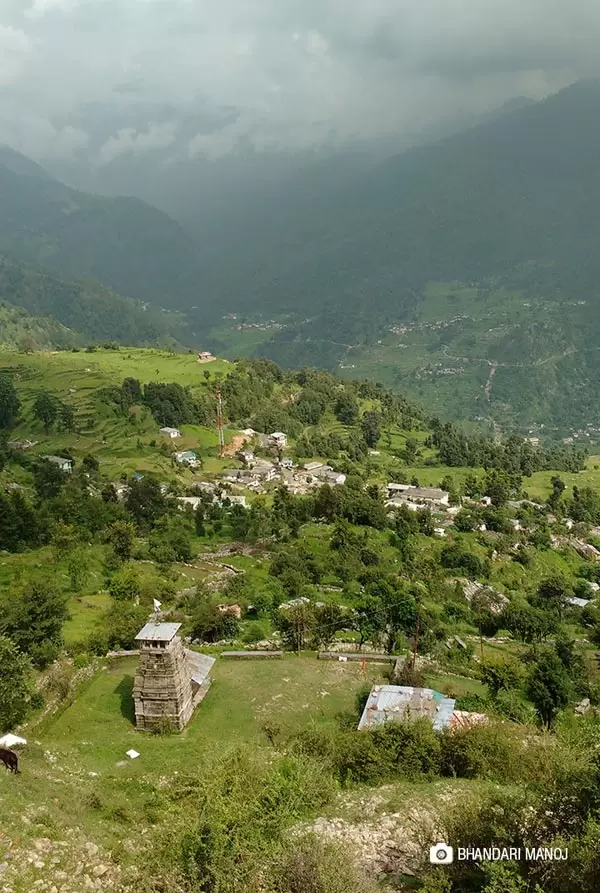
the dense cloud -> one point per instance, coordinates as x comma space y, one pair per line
115, 76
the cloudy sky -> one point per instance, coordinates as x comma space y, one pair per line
114, 76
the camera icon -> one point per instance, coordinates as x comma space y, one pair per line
441, 854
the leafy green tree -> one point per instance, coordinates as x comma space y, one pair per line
125, 586
371, 428
64, 539
296, 624
78, 569
121, 536
16, 685
33, 618
548, 686
346, 408
48, 479
501, 675
20, 526
211, 625
472, 487
527, 623
121, 624
497, 486
199, 522
552, 594
46, 408
66, 417
90, 464
9, 402
558, 488
170, 539
145, 502
410, 450
368, 617
328, 620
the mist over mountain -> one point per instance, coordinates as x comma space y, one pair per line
325, 253
124, 243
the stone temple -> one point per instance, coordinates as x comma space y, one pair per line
170, 680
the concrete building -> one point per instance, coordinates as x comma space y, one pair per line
188, 502
397, 489
65, 465
424, 496
170, 680
278, 439
187, 457
173, 433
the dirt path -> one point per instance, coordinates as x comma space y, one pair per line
237, 442
488, 385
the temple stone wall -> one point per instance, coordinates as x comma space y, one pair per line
163, 688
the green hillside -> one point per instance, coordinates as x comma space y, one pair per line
90, 311
121, 443
271, 787
20, 330
491, 234
123, 243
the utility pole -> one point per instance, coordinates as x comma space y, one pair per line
417, 629
220, 422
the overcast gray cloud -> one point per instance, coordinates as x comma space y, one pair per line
272, 73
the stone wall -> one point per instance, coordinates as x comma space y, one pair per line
163, 687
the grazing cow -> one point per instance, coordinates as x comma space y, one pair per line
10, 760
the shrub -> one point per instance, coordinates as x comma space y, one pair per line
395, 750
309, 864
254, 632
484, 751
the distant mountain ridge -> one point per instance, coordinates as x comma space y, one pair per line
75, 311
122, 243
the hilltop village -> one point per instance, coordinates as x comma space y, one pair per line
213, 571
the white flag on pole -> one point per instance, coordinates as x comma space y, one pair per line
157, 605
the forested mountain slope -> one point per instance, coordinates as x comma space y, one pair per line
484, 245
123, 243
521, 189
87, 310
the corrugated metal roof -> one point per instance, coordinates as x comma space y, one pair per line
577, 602
158, 632
401, 702
200, 665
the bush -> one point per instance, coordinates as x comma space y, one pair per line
254, 632
310, 864
409, 675
509, 705
484, 751
395, 750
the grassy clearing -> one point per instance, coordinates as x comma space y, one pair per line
455, 686
122, 445
75, 772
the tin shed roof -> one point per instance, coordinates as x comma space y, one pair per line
158, 632
401, 702
200, 665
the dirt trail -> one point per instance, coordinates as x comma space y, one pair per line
237, 442
489, 382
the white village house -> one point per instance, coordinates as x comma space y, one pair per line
279, 439
173, 433
424, 496
65, 465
